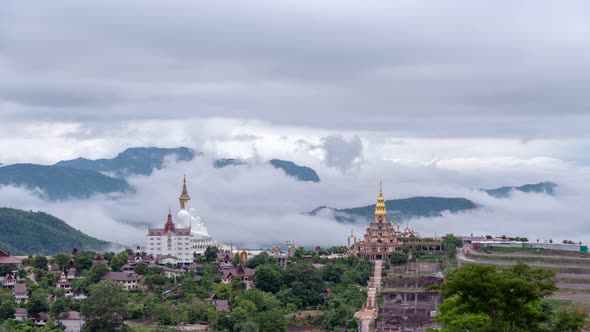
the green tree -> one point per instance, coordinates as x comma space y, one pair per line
37, 302
61, 260
504, 299
40, 262
569, 321
106, 306
7, 308
268, 278
260, 259
272, 320
97, 271
61, 304
450, 243
398, 258
331, 272
83, 260
236, 260
211, 254
224, 291
246, 326
306, 282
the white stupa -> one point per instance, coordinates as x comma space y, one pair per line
188, 217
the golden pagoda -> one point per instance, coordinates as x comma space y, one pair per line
184, 197
383, 238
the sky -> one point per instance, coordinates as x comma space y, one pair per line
433, 97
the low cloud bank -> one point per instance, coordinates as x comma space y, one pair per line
257, 205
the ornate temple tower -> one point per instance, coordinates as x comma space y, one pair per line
383, 237
184, 197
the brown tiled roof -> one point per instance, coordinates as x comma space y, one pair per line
239, 271
70, 315
166, 256
10, 260
222, 305
20, 289
223, 256
42, 316
162, 231
22, 311
144, 258
123, 276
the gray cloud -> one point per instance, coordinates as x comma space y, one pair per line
459, 69
342, 153
258, 205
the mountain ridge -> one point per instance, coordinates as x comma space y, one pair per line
400, 209
546, 187
59, 182
135, 160
27, 232
301, 173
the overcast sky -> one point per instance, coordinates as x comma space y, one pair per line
495, 93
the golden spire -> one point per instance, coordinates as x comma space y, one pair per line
380, 209
184, 197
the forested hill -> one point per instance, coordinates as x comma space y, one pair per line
301, 173
139, 160
60, 182
539, 188
27, 232
401, 209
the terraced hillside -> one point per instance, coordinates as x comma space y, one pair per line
572, 270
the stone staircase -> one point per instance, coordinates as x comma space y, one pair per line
369, 313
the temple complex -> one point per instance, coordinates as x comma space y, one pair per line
383, 238
181, 241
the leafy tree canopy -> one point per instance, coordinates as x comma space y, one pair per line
489, 298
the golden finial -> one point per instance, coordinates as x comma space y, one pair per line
184, 197
380, 209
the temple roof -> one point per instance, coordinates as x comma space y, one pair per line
380, 209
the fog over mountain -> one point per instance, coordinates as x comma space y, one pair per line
259, 205
434, 98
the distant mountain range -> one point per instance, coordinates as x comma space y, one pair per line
60, 183
301, 173
541, 187
400, 209
133, 161
415, 207
82, 178
26, 232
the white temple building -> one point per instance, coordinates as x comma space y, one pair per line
181, 242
